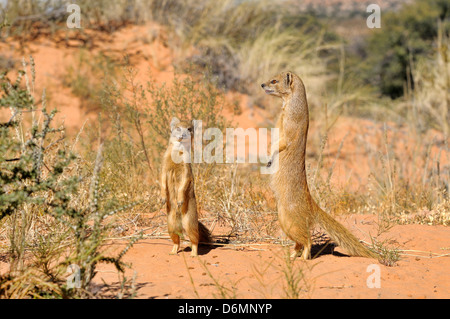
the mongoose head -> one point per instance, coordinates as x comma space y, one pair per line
180, 143
280, 85
181, 131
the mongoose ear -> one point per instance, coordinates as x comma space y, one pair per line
174, 123
289, 79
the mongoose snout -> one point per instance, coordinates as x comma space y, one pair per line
266, 88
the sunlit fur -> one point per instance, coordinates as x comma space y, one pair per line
297, 210
177, 192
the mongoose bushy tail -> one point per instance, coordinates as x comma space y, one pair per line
297, 210
342, 236
204, 234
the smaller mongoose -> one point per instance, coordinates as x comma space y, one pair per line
177, 189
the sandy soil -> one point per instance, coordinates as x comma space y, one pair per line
256, 270
259, 270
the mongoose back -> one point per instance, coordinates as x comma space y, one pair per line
297, 210
177, 189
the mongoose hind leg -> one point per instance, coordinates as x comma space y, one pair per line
194, 252
194, 244
298, 249
190, 226
176, 244
174, 227
306, 252
301, 250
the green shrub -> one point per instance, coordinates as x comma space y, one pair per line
403, 37
53, 210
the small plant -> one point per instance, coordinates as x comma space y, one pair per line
387, 256
292, 279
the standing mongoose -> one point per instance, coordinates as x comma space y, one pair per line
298, 213
177, 189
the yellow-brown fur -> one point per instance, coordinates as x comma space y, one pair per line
297, 210
177, 189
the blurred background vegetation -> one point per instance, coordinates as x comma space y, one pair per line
242, 42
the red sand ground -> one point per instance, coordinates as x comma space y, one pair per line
258, 271
253, 271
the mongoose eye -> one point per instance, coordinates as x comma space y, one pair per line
274, 81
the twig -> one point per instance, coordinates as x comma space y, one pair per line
429, 257
429, 253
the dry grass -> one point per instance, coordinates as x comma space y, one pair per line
53, 213
428, 105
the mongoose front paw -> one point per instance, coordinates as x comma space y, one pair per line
163, 200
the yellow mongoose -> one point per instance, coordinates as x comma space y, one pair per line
177, 189
297, 211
